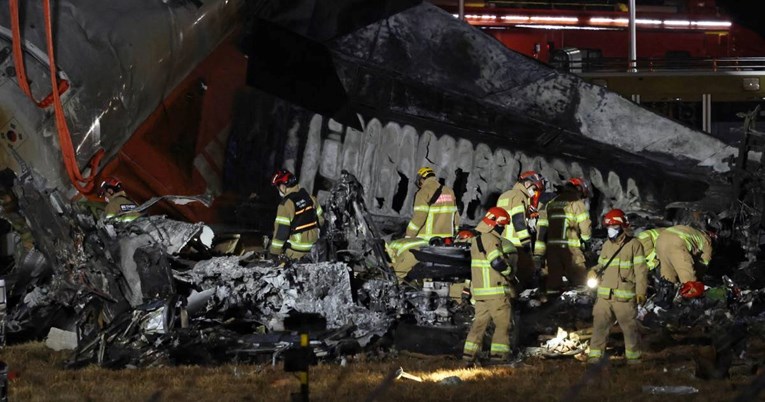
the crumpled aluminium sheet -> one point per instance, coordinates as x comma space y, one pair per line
270, 293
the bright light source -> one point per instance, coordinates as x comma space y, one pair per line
592, 283
603, 20
647, 22
515, 17
677, 23
542, 26
554, 19
725, 24
488, 17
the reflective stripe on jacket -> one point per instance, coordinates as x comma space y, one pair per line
486, 282
516, 203
648, 240
569, 221
297, 222
697, 242
438, 218
119, 206
627, 273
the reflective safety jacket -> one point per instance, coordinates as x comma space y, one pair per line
516, 202
626, 275
648, 240
297, 223
568, 221
435, 212
486, 282
118, 207
697, 242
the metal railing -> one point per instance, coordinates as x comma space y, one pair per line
606, 65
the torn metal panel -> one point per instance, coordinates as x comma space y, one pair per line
151, 47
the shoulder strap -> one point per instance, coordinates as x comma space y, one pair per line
479, 243
626, 240
436, 194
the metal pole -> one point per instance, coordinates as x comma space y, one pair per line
462, 10
633, 40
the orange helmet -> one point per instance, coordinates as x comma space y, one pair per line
535, 178
283, 176
582, 184
110, 183
692, 289
615, 217
496, 216
465, 234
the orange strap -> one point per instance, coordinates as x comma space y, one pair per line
64, 136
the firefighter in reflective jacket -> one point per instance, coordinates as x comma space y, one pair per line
298, 218
434, 215
681, 248
648, 240
492, 263
517, 202
118, 205
569, 232
621, 279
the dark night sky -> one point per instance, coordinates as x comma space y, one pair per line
746, 13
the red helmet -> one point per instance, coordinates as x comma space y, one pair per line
110, 183
615, 217
496, 216
535, 178
582, 184
692, 289
283, 176
465, 234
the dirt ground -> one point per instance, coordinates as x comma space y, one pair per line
38, 376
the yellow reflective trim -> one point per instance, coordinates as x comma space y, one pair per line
421, 208
492, 291
582, 217
283, 220
470, 346
500, 348
596, 353
412, 226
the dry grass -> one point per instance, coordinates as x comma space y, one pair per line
41, 378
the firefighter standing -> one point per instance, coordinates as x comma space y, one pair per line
648, 240
434, 215
518, 202
298, 218
569, 231
621, 278
118, 205
493, 259
681, 248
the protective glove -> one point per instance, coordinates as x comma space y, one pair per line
640, 299
586, 245
466, 295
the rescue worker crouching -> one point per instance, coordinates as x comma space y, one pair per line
298, 218
682, 250
493, 260
517, 203
621, 279
118, 204
648, 239
434, 215
569, 232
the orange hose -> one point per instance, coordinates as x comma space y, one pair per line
64, 136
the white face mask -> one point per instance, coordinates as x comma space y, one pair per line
281, 194
531, 191
587, 204
613, 232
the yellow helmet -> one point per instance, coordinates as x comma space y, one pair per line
425, 172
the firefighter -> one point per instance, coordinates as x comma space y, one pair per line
118, 205
569, 232
434, 215
518, 203
493, 260
648, 240
621, 279
680, 249
298, 218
